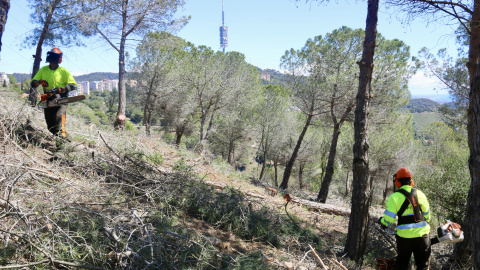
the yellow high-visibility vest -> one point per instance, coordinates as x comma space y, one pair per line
411, 230
59, 77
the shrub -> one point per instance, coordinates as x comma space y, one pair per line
444, 176
129, 125
230, 212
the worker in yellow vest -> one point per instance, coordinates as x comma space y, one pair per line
413, 231
58, 81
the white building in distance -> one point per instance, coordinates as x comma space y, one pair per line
83, 88
104, 85
4, 78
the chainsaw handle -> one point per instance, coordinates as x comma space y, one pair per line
455, 232
48, 96
52, 94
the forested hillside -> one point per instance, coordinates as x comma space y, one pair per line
420, 105
97, 76
22, 76
276, 76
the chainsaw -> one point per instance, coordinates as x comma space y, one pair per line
448, 233
53, 99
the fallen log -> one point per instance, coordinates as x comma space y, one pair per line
216, 185
312, 206
222, 186
329, 209
255, 195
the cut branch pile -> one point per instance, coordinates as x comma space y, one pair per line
111, 207
89, 211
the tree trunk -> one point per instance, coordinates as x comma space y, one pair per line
266, 147
322, 195
473, 50
385, 191
32, 96
38, 52
301, 167
147, 119
471, 243
289, 167
329, 170
275, 168
4, 7
203, 119
122, 91
230, 153
210, 125
361, 197
147, 130
347, 186
147, 109
178, 136
262, 171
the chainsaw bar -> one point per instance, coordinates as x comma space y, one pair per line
60, 101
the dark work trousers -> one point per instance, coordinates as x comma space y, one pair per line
55, 118
419, 246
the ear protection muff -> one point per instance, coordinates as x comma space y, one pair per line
398, 184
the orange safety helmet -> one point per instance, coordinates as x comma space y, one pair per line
403, 174
54, 56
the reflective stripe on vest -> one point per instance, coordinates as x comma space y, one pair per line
412, 226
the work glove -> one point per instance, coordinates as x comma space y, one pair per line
58, 90
379, 221
43, 83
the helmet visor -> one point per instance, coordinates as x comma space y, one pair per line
53, 57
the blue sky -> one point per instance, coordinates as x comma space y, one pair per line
260, 29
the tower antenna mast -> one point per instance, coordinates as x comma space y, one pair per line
223, 31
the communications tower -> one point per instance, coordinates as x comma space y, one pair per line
223, 32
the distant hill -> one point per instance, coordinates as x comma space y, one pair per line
96, 76
420, 105
22, 76
440, 97
271, 76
